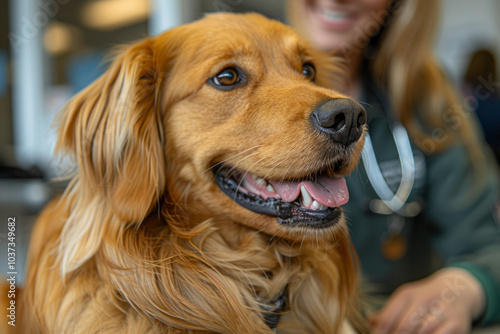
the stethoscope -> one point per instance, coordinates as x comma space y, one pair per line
394, 205
390, 202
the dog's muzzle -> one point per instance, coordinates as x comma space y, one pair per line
315, 200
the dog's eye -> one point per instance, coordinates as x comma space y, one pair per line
227, 78
309, 71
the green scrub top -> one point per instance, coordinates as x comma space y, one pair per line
456, 226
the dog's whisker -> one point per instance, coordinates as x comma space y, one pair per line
294, 148
272, 238
263, 156
248, 170
346, 236
230, 158
365, 103
241, 160
332, 234
278, 163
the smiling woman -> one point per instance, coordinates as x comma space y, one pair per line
421, 204
347, 27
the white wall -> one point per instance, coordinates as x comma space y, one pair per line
466, 26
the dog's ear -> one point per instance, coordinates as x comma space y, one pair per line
114, 131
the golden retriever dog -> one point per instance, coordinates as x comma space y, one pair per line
207, 191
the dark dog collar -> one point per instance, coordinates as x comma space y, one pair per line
272, 311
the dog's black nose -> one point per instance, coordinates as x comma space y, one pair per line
342, 119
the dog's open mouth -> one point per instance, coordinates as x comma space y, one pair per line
311, 202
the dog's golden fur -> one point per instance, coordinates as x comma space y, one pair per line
143, 240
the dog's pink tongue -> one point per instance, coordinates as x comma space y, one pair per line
331, 192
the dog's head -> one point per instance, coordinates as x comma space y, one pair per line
227, 117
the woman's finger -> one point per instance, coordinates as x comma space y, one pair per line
388, 317
453, 326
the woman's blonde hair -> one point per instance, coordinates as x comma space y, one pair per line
404, 64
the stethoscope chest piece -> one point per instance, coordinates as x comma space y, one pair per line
393, 247
393, 244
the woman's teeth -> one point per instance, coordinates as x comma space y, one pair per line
334, 16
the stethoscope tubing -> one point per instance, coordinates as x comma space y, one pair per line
394, 201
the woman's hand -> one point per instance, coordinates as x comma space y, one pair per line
445, 302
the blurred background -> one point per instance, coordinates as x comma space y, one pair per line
51, 49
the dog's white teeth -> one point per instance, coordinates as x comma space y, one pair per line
306, 198
261, 182
258, 180
317, 206
270, 188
